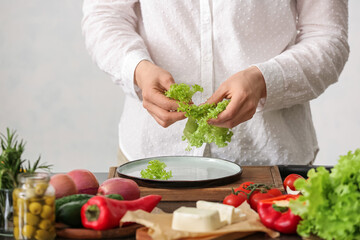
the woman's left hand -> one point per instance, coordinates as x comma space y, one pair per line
245, 89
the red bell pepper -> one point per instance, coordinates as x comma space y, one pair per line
275, 214
101, 213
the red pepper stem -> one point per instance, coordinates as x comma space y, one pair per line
92, 213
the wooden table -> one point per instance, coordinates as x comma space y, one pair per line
174, 198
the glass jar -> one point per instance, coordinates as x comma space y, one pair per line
34, 207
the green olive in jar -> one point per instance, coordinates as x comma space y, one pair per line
28, 231
31, 219
16, 232
42, 235
35, 208
46, 212
49, 200
40, 189
45, 224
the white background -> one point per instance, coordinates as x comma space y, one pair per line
67, 110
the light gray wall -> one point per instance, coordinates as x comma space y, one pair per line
51, 92
67, 110
336, 113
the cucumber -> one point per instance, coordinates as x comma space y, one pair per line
115, 196
71, 198
69, 212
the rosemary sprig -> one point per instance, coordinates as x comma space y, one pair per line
11, 163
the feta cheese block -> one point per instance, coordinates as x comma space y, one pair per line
227, 213
196, 220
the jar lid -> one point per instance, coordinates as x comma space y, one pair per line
35, 176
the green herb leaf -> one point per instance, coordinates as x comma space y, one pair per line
156, 170
11, 162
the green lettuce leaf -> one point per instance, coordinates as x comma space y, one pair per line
156, 170
330, 205
197, 131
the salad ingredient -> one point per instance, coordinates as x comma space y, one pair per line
85, 181
115, 196
156, 170
101, 213
275, 214
69, 213
71, 198
68, 208
196, 220
252, 193
197, 130
243, 187
228, 214
235, 199
63, 185
330, 204
183, 92
256, 197
289, 183
127, 188
33, 209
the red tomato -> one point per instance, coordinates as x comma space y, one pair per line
256, 197
243, 187
234, 200
275, 192
289, 181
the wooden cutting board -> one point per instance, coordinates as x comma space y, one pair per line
62, 231
173, 198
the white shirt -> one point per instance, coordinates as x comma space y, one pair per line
299, 46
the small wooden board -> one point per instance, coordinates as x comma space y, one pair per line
62, 231
142, 234
175, 197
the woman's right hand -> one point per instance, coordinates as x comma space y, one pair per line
153, 82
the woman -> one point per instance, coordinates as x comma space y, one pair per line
269, 57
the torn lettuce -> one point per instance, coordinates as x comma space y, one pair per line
197, 131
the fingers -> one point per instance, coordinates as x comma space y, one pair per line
218, 96
163, 117
164, 102
238, 111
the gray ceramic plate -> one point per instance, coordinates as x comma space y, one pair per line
187, 171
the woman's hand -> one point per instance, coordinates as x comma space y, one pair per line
245, 89
154, 81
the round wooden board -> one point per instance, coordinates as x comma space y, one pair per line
83, 233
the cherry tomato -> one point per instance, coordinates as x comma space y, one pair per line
243, 187
289, 181
275, 192
257, 196
235, 199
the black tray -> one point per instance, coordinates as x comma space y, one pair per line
298, 169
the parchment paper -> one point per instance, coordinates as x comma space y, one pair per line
160, 225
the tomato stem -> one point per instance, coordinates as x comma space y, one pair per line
263, 188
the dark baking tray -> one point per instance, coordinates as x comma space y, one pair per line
297, 169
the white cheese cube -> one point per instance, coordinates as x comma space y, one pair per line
196, 220
227, 213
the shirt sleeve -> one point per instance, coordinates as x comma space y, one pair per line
304, 70
111, 37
